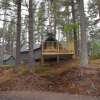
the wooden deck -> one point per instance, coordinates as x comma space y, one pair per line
52, 48
57, 52
57, 49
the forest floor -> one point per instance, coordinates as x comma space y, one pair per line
65, 77
40, 95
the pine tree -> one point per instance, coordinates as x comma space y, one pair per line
18, 32
84, 52
98, 2
31, 60
74, 30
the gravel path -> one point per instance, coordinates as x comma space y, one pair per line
31, 95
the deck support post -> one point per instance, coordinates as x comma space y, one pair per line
42, 60
58, 55
58, 59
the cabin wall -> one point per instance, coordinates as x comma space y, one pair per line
24, 56
10, 61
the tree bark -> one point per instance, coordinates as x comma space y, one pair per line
18, 32
98, 2
84, 51
3, 31
31, 60
74, 30
54, 14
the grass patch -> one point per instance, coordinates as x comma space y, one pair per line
23, 70
7, 66
95, 56
43, 69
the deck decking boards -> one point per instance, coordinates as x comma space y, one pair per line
56, 53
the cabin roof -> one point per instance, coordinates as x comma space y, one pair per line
49, 37
25, 48
7, 57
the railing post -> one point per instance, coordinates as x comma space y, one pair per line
42, 58
57, 53
58, 47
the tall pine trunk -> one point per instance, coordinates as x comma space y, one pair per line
3, 31
98, 2
74, 30
54, 14
84, 51
18, 32
31, 60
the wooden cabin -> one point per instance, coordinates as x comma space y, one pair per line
24, 52
52, 47
8, 60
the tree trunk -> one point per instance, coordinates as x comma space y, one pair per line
84, 51
31, 60
55, 25
98, 2
54, 14
3, 31
74, 30
18, 32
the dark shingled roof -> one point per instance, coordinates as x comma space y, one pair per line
7, 57
25, 48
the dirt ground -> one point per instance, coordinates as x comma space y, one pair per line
39, 95
65, 77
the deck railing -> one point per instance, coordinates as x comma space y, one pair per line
57, 47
